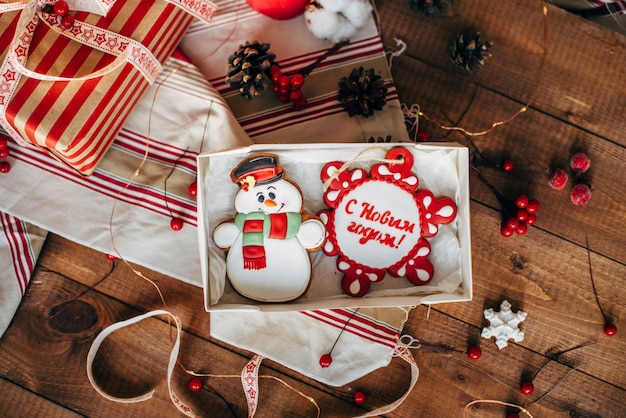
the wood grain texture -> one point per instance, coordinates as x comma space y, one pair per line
579, 106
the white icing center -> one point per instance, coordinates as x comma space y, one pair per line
377, 224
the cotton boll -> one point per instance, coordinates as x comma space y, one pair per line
358, 12
325, 24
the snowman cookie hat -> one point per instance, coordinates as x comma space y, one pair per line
257, 169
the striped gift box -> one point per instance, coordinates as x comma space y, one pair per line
77, 120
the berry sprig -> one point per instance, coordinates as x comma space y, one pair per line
327, 359
610, 329
5, 166
581, 190
517, 214
288, 87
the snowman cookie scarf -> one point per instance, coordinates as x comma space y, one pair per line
268, 241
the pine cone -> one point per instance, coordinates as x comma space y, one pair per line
362, 92
467, 51
430, 8
248, 69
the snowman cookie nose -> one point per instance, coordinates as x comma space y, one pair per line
270, 203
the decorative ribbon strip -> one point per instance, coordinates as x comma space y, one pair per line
250, 379
170, 367
249, 374
123, 48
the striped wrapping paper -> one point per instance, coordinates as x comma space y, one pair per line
265, 118
20, 244
77, 121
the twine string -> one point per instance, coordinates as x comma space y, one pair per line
358, 158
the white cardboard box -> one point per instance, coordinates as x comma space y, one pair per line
442, 168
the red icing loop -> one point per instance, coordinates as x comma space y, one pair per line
406, 161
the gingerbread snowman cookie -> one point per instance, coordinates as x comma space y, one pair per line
269, 240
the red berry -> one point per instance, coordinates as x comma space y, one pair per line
359, 398
512, 223
521, 215
284, 81
111, 257
521, 201
276, 89
610, 330
558, 179
507, 166
533, 206
325, 360
4, 153
300, 103
422, 135
297, 80
295, 95
176, 224
61, 8
276, 76
474, 352
532, 219
505, 230
527, 388
3, 143
274, 69
284, 90
521, 229
5, 167
284, 98
580, 194
193, 188
67, 21
580, 162
195, 384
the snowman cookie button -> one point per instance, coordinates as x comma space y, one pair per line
269, 240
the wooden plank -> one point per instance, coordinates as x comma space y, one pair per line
17, 402
582, 83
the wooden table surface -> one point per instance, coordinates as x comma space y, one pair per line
577, 104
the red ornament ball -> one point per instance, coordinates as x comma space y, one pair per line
279, 9
61, 8
474, 352
580, 163
359, 397
507, 166
558, 179
4, 153
580, 194
176, 224
5, 167
193, 188
326, 360
527, 388
610, 330
4, 144
195, 384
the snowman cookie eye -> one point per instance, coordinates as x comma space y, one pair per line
272, 195
260, 198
